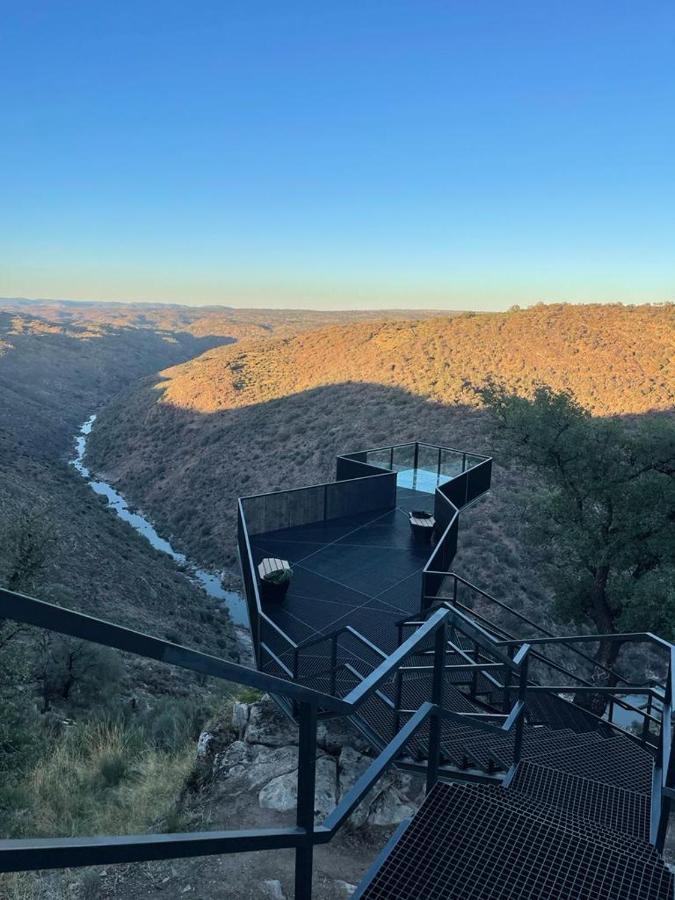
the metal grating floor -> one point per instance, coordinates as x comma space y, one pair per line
604, 804
616, 761
460, 848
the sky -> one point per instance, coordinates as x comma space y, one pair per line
338, 153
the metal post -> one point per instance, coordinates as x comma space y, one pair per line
474, 677
645, 721
610, 711
454, 590
391, 459
440, 641
296, 670
398, 701
463, 462
507, 685
304, 854
522, 697
417, 456
333, 663
438, 477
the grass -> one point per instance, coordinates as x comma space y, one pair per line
103, 778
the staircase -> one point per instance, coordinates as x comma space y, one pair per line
573, 822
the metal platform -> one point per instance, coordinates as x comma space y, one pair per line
362, 570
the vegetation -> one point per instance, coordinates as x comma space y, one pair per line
185, 445
605, 516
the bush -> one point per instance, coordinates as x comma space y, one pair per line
101, 778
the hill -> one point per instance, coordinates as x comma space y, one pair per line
258, 416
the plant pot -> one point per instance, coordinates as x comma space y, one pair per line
274, 591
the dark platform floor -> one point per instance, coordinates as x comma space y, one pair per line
363, 571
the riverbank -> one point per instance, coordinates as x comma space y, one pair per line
210, 582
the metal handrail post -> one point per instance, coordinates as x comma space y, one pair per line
304, 854
440, 640
473, 690
522, 697
333, 663
507, 685
398, 700
645, 720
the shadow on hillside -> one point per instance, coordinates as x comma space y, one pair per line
187, 468
50, 381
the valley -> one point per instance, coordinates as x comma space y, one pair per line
254, 416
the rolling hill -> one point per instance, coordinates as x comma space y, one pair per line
258, 416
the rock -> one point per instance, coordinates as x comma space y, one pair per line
281, 794
334, 734
269, 726
240, 712
255, 765
273, 890
351, 765
390, 808
345, 889
205, 738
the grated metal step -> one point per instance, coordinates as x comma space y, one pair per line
616, 761
461, 847
497, 752
622, 843
604, 804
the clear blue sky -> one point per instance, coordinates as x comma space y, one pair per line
338, 152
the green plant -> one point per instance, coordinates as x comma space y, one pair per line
279, 576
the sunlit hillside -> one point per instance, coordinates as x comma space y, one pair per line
253, 417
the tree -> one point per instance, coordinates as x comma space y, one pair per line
605, 516
28, 541
73, 671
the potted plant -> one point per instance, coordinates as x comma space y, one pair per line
275, 584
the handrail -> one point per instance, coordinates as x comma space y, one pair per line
23, 855
663, 780
584, 683
524, 618
362, 691
552, 664
303, 645
626, 637
30, 611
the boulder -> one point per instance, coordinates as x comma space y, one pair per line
272, 890
252, 766
281, 794
240, 713
269, 726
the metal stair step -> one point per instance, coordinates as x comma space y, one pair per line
461, 847
622, 843
604, 804
540, 740
616, 761
554, 711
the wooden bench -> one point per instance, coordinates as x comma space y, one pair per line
271, 564
422, 524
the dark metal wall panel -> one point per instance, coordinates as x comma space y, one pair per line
347, 498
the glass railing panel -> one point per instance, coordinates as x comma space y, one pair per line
452, 463
404, 457
380, 457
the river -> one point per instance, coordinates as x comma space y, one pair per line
209, 581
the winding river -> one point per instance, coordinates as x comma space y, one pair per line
209, 581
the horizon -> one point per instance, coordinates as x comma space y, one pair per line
516, 307
348, 158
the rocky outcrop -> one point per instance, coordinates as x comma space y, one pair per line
258, 753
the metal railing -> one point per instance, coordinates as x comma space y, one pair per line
544, 665
468, 477
44, 853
